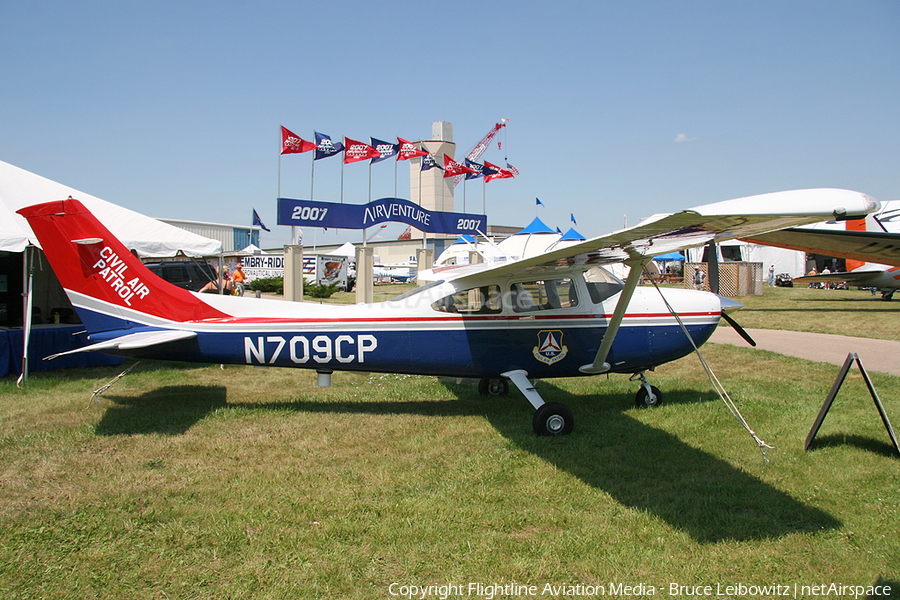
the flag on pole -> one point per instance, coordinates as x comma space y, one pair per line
258, 221
572, 216
385, 150
453, 168
291, 143
538, 202
489, 170
498, 172
325, 147
408, 150
512, 169
476, 167
355, 151
428, 162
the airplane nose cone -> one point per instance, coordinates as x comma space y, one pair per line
729, 304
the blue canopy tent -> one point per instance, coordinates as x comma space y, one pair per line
671, 256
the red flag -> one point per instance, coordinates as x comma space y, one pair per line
453, 168
408, 150
356, 151
291, 143
500, 174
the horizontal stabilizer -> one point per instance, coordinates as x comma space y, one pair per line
133, 341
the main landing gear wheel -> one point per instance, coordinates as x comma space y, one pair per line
553, 418
493, 387
645, 399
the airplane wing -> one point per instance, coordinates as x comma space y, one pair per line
867, 246
857, 278
133, 341
661, 234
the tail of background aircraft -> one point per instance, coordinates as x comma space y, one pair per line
108, 285
855, 225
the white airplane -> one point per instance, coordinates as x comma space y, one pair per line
557, 314
871, 247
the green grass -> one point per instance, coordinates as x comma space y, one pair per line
199, 482
843, 312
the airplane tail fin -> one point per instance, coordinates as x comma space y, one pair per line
855, 225
108, 285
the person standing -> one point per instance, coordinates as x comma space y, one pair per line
238, 277
771, 275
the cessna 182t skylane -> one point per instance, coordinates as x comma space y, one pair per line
558, 314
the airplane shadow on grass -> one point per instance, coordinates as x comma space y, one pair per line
641, 467
169, 410
648, 469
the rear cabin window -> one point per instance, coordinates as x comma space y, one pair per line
601, 284
484, 300
547, 294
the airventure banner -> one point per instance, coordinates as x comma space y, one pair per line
313, 213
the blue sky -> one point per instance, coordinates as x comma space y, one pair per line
173, 109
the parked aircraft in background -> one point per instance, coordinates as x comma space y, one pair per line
557, 314
871, 247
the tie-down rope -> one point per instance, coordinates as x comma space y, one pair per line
717, 385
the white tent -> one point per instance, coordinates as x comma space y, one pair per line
791, 262
146, 236
348, 250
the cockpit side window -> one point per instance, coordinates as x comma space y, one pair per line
548, 294
484, 300
601, 284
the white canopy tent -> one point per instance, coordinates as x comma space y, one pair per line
791, 262
145, 236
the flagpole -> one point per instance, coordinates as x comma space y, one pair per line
464, 195
424, 233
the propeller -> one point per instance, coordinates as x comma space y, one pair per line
728, 304
739, 329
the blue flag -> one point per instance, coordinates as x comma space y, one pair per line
475, 167
386, 149
538, 202
258, 221
572, 216
428, 162
325, 147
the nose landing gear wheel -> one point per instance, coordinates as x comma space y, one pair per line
553, 418
495, 387
643, 399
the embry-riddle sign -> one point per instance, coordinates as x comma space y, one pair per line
312, 213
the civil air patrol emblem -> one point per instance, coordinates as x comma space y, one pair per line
550, 348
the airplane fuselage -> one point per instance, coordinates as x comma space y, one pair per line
414, 335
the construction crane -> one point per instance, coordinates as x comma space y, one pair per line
480, 147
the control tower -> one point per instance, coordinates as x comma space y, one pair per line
428, 188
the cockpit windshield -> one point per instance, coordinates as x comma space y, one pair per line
601, 284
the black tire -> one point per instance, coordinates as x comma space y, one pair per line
553, 418
643, 400
493, 387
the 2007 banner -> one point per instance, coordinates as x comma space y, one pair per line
313, 213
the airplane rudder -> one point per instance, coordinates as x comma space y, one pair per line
89, 260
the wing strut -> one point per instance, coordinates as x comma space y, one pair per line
600, 365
